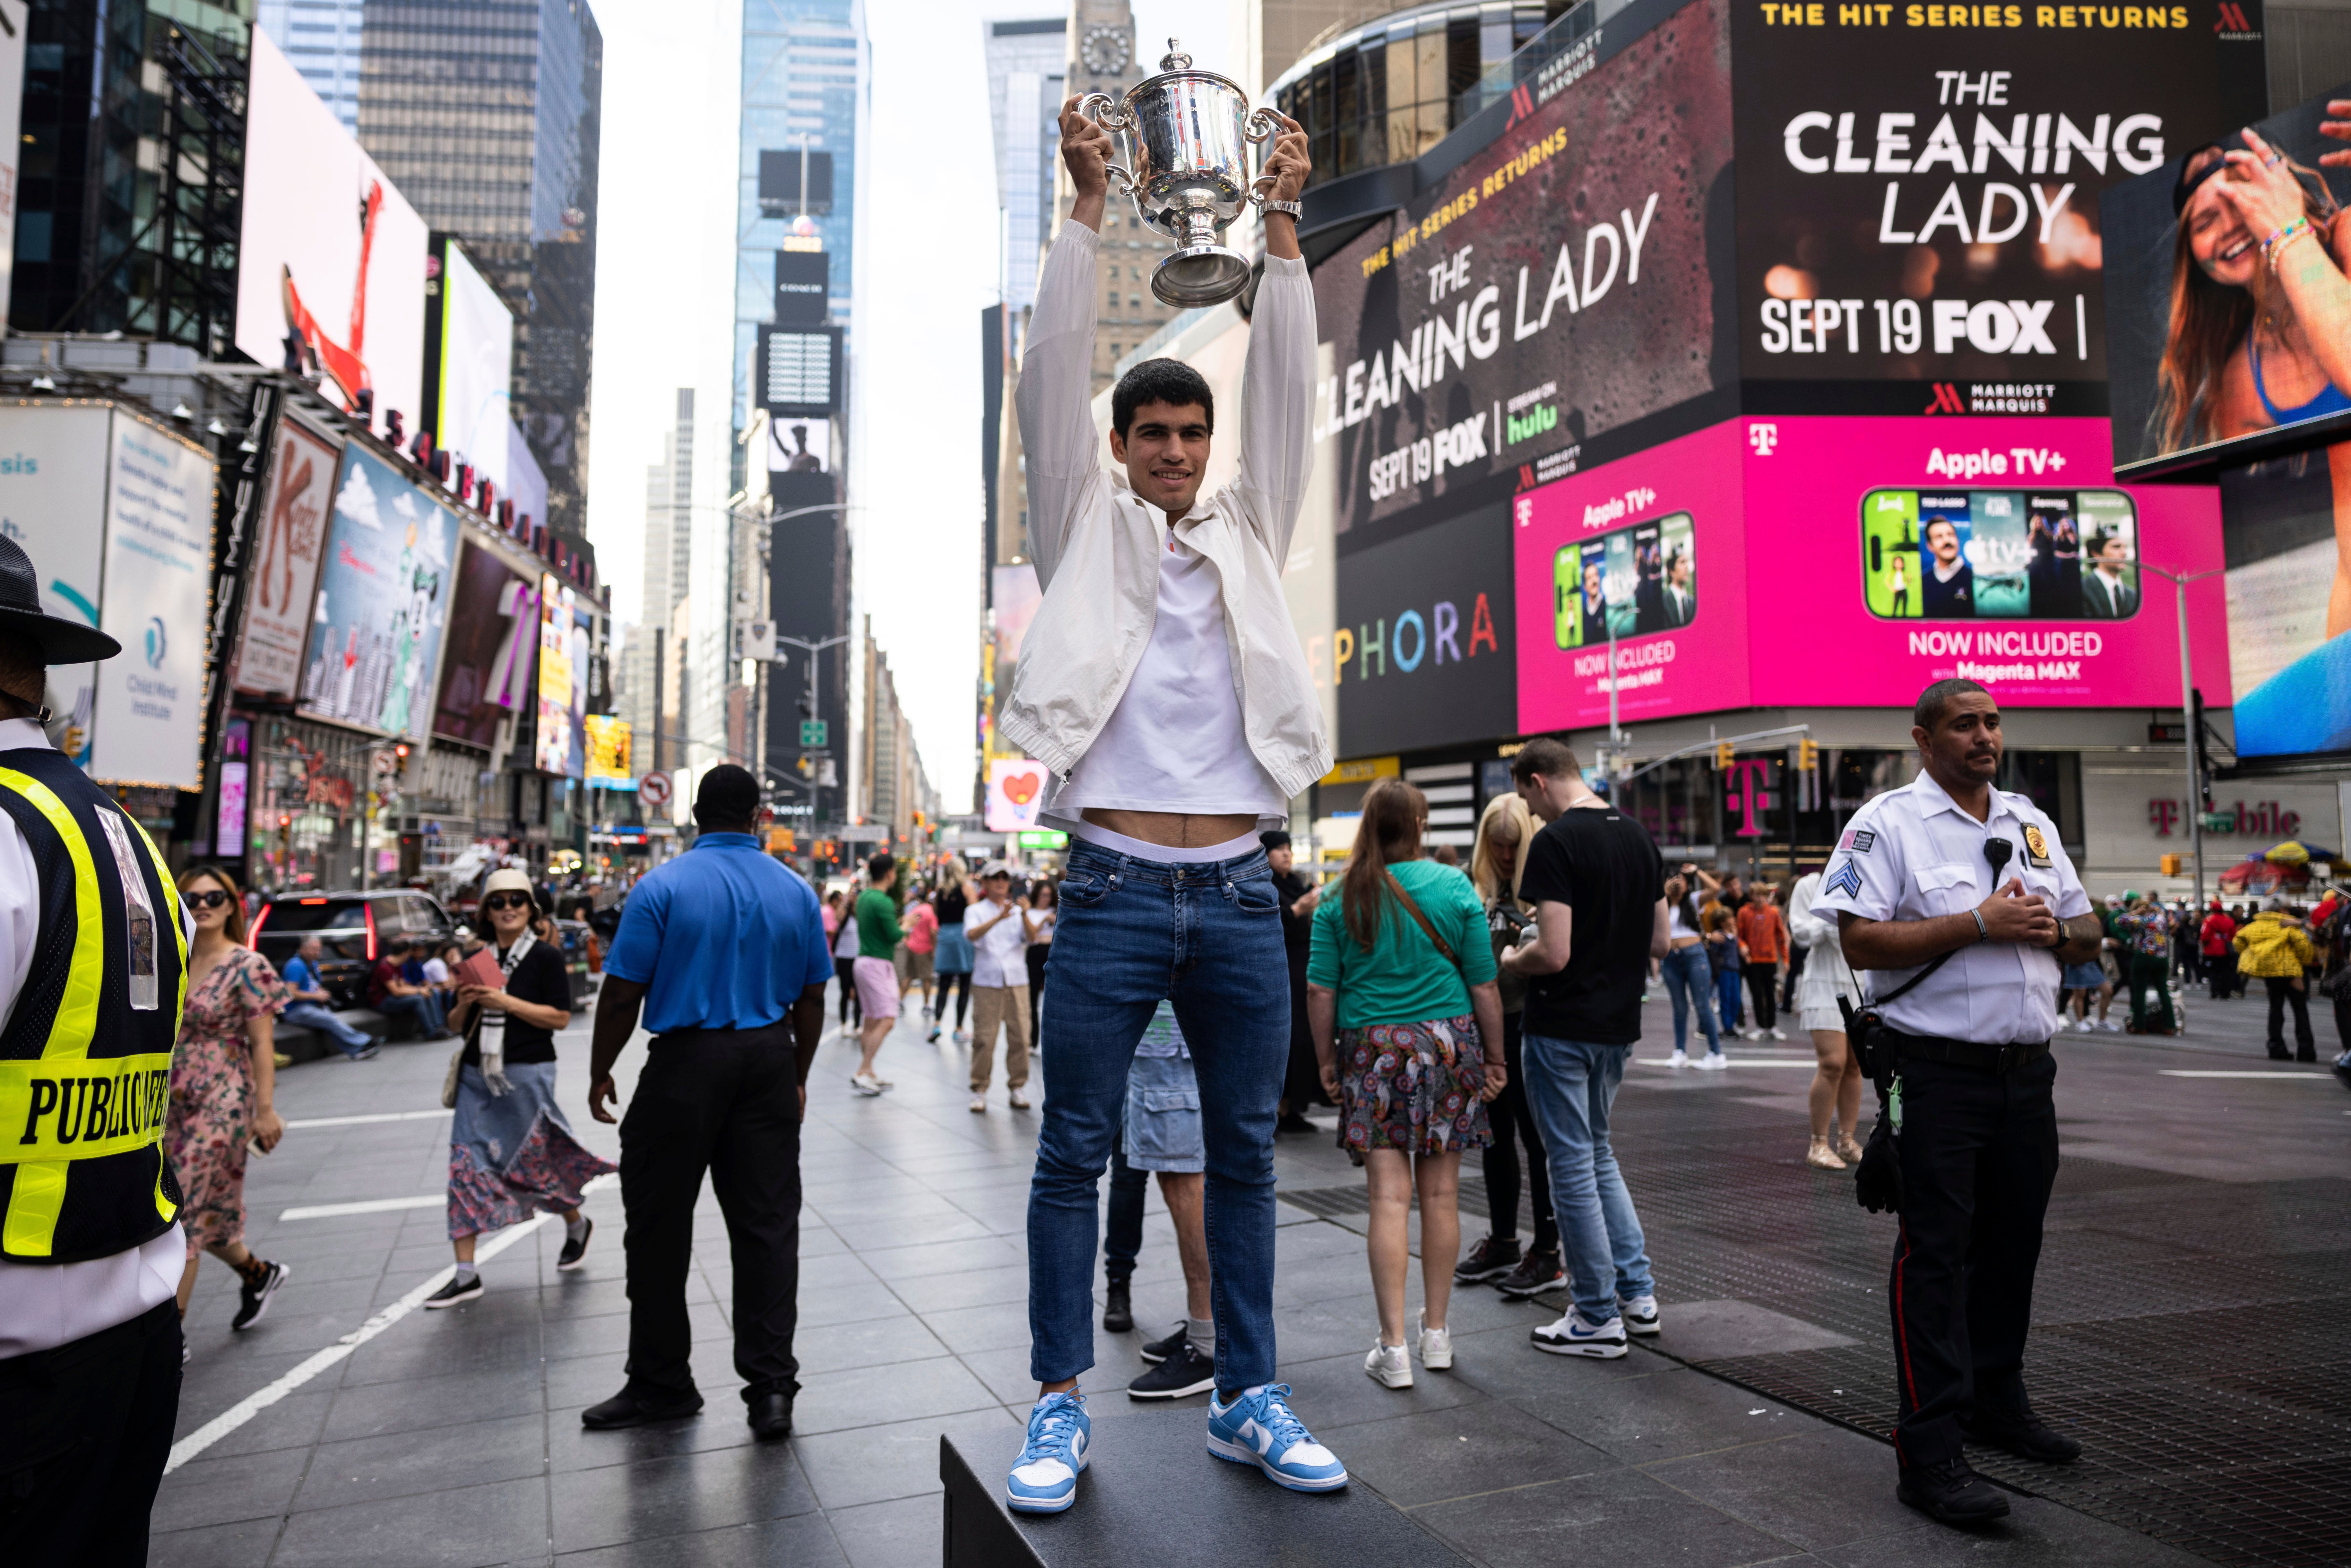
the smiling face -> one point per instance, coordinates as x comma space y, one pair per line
212, 914
2223, 246
1165, 450
1943, 540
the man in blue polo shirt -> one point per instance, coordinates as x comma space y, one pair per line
714, 948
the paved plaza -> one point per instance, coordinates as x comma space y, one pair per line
2189, 1331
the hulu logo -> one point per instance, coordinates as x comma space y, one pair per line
1526, 426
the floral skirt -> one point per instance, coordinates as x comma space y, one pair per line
1412, 1087
512, 1154
205, 1135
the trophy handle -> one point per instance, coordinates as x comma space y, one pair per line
1104, 111
1259, 129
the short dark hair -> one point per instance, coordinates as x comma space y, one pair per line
727, 798
881, 865
1937, 698
2102, 539
1171, 381
1546, 756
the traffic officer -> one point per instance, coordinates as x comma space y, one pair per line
1965, 890
91, 1246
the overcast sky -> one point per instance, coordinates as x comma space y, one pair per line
927, 268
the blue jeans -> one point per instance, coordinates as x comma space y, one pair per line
310, 1015
1207, 937
431, 1019
1572, 1083
1689, 980
1725, 991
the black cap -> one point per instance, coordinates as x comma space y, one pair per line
61, 642
1274, 838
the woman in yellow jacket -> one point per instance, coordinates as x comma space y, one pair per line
2273, 945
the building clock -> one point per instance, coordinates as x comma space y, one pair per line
1104, 52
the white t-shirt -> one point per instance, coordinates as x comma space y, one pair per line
436, 973
1175, 742
1001, 957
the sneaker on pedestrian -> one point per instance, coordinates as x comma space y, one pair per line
1260, 1428
1017, 1100
1779, 1034
979, 1103
1159, 1349
1712, 1061
1576, 1334
367, 1053
1680, 1058
252, 1297
865, 1083
464, 1287
1388, 1364
1044, 1478
575, 1252
1538, 1271
2111, 1027
1179, 1377
1640, 1315
1493, 1256
1436, 1346
963, 1037
932, 1038
1951, 1491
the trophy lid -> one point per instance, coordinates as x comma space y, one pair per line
1178, 65
1175, 60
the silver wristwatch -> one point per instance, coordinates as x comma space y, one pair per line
1294, 209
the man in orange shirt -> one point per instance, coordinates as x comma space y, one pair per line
1763, 947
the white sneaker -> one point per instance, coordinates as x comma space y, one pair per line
1576, 1334
979, 1103
963, 1037
1712, 1061
2110, 1026
1778, 1035
1680, 1058
1640, 1315
864, 1084
1017, 1100
1436, 1346
1389, 1365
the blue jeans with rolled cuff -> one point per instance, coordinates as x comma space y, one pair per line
1572, 1084
1207, 937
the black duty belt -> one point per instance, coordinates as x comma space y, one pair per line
2001, 1060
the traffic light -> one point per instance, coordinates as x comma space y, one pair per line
1808, 755
2171, 864
1723, 752
400, 750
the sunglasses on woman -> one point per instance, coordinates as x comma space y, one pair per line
497, 901
207, 898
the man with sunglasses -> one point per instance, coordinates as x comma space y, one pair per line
1962, 904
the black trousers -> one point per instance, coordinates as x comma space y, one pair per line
2284, 993
1301, 1083
1123, 1226
960, 984
2222, 972
844, 971
1037, 955
1979, 1154
728, 1101
1513, 1121
84, 1431
1760, 979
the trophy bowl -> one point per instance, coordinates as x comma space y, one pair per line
1187, 135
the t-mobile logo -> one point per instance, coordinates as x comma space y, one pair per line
1763, 438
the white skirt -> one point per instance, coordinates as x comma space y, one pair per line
1821, 1018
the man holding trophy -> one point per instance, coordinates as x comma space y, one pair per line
1162, 685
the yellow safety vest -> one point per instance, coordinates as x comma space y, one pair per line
86, 1052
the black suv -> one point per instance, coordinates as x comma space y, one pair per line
354, 929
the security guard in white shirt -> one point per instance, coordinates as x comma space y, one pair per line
1958, 897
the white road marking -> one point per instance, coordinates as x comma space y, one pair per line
370, 1206
261, 1399
1735, 1062
2187, 1072
380, 1116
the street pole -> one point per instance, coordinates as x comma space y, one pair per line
2179, 581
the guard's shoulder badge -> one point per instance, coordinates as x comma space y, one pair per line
2036, 848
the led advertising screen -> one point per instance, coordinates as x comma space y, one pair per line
301, 487
157, 605
327, 251
485, 662
2289, 610
800, 371
1524, 316
800, 446
562, 658
1918, 220
1419, 654
383, 603
53, 470
608, 751
1850, 561
473, 361
2229, 346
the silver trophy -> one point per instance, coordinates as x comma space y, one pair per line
1187, 134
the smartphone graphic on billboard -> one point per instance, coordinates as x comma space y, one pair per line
1999, 555
1629, 583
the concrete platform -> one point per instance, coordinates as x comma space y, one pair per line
1153, 1494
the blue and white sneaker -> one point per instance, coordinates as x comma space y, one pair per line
1575, 1334
1259, 1429
1044, 1478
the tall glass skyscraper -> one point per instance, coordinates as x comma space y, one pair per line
486, 114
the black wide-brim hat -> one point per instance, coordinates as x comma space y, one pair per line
61, 642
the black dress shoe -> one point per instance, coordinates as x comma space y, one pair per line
1118, 1308
631, 1409
1951, 1492
2027, 1435
770, 1416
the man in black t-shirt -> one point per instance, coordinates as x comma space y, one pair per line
1598, 886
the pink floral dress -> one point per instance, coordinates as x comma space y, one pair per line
211, 1118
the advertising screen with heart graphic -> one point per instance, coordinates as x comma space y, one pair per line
1015, 788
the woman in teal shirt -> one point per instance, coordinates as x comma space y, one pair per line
1402, 1001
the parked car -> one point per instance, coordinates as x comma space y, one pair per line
583, 954
353, 928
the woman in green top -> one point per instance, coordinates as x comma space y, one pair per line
1401, 1001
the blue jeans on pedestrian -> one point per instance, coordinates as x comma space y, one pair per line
1571, 1084
310, 1015
1207, 937
1689, 980
1725, 991
431, 1019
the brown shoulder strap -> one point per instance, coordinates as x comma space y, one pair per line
1414, 910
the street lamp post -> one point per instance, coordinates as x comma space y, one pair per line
2179, 581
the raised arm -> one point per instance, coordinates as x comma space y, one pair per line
1277, 394
1055, 398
